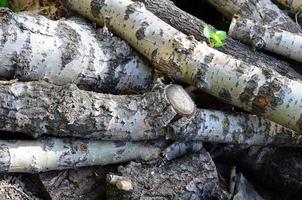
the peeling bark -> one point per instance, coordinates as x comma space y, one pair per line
58, 154
191, 25
69, 51
225, 127
266, 37
38, 108
261, 91
262, 11
191, 177
292, 4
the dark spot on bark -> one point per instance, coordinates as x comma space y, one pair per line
209, 58
299, 123
5, 158
119, 143
270, 16
248, 93
70, 43
140, 33
154, 56
200, 77
96, 6
48, 144
225, 95
214, 117
270, 95
132, 8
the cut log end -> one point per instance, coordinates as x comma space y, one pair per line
180, 100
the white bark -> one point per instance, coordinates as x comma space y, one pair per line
69, 51
224, 127
254, 89
266, 37
262, 11
57, 154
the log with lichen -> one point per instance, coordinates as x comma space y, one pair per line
261, 91
69, 51
58, 154
37, 108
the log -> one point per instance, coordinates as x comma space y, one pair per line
261, 11
266, 37
190, 177
261, 91
190, 25
58, 154
69, 51
233, 128
38, 108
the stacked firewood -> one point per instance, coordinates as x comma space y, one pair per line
127, 82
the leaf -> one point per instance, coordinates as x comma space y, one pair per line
4, 3
16, 9
222, 35
207, 31
300, 8
218, 44
216, 38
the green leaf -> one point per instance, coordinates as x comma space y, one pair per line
300, 8
218, 44
222, 35
207, 31
16, 9
4, 3
216, 38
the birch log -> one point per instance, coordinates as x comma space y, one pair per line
225, 127
262, 11
69, 51
58, 154
266, 37
190, 25
294, 5
38, 108
181, 57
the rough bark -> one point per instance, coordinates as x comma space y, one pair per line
292, 4
261, 91
236, 128
266, 37
87, 183
69, 51
191, 177
262, 11
38, 108
58, 154
191, 25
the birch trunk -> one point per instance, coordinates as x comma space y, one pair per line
261, 91
225, 127
58, 154
191, 25
37, 108
266, 37
69, 51
294, 5
262, 11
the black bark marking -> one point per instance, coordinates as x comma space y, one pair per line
140, 33
154, 56
226, 126
269, 95
200, 77
132, 8
299, 123
70, 43
248, 93
225, 95
209, 58
96, 6
5, 158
